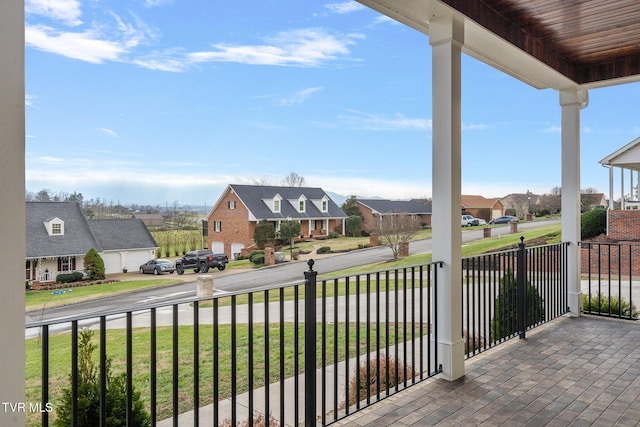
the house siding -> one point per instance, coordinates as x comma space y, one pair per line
235, 224
369, 220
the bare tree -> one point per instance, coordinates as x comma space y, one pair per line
395, 230
293, 180
262, 181
589, 190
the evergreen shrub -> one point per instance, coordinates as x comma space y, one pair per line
505, 320
593, 223
88, 403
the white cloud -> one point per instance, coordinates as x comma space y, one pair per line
65, 11
163, 61
100, 43
344, 7
85, 46
300, 96
474, 126
384, 19
133, 35
155, 3
367, 121
371, 187
552, 129
302, 48
109, 132
29, 100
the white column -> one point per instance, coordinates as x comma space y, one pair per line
446, 36
12, 211
622, 207
572, 101
610, 188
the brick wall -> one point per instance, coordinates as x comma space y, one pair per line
603, 258
369, 221
235, 225
624, 224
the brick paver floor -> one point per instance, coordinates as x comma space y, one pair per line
570, 372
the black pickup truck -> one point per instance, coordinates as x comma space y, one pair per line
201, 261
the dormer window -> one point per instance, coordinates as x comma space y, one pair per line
276, 203
301, 203
54, 226
324, 204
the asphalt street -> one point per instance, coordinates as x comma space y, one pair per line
290, 272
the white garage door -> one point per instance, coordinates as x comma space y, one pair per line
217, 247
235, 249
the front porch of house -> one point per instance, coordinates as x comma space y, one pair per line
572, 371
39, 271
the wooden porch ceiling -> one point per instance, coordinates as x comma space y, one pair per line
585, 40
589, 42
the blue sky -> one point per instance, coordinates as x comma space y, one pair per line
157, 101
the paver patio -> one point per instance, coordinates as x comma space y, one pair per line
570, 372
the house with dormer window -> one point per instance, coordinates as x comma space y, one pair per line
233, 219
58, 235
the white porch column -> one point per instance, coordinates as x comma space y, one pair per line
621, 188
12, 211
610, 189
572, 101
446, 36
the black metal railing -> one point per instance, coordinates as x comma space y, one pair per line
310, 352
608, 274
507, 293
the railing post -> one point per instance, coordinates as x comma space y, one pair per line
310, 278
521, 288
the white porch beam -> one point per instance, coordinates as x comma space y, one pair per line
12, 213
446, 38
572, 101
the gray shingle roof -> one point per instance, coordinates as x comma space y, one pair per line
254, 196
115, 234
80, 234
396, 206
76, 240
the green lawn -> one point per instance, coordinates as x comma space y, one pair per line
549, 233
37, 300
59, 365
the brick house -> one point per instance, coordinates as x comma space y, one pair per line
232, 220
481, 207
371, 210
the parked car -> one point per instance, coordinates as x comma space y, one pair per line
506, 219
157, 266
468, 221
201, 261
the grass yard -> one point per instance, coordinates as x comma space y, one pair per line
59, 362
37, 300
